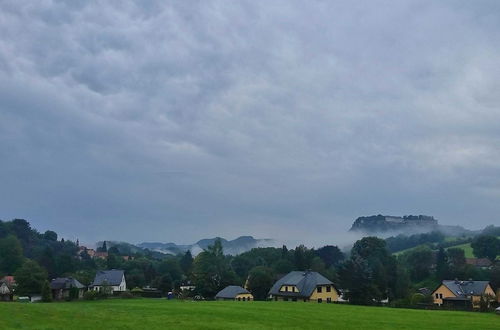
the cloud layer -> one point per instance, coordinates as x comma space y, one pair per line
146, 120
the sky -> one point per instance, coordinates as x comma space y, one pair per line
181, 120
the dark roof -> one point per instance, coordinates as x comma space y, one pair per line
111, 277
65, 283
231, 292
466, 288
305, 281
478, 262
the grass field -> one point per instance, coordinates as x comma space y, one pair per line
163, 314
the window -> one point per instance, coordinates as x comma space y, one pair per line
437, 295
319, 289
244, 299
328, 289
328, 300
441, 296
286, 288
239, 298
320, 300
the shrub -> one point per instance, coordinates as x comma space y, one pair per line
46, 292
90, 295
137, 291
126, 295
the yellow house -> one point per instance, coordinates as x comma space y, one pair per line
304, 286
462, 293
234, 292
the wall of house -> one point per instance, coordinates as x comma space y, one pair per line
442, 290
324, 295
247, 296
487, 292
289, 288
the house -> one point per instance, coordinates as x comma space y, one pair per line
6, 293
188, 286
113, 278
304, 286
234, 292
478, 262
462, 294
100, 255
66, 288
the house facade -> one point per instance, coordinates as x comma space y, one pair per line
114, 278
234, 292
66, 288
462, 293
306, 286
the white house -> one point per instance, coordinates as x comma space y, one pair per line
114, 278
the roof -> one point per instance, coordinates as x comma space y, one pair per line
109, 277
9, 280
466, 288
305, 281
65, 283
231, 292
478, 262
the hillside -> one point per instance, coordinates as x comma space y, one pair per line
163, 314
231, 247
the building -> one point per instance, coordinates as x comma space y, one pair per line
234, 292
479, 262
463, 294
100, 255
304, 286
109, 278
66, 288
6, 293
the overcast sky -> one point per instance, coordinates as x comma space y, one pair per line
180, 120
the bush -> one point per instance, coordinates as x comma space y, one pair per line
126, 295
137, 291
90, 295
46, 292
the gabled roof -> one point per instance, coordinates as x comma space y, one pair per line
231, 292
466, 288
109, 277
305, 281
65, 283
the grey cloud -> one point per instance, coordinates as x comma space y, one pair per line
175, 121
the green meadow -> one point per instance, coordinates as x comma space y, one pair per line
163, 314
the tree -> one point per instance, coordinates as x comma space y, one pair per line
30, 278
260, 281
442, 268
186, 262
419, 262
50, 235
11, 254
331, 255
486, 247
46, 292
211, 270
302, 258
377, 269
103, 248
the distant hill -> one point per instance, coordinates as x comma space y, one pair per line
387, 223
233, 247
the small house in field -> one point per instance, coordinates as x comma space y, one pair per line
304, 286
6, 293
462, 294
114, 278
234, 292
66, 288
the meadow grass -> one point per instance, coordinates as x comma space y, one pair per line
162, 314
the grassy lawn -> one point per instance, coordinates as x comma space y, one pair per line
162, 314
467, 249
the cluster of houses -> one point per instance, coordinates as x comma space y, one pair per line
296, 286
64, 288
309, 286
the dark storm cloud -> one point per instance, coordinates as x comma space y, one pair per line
174, 121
